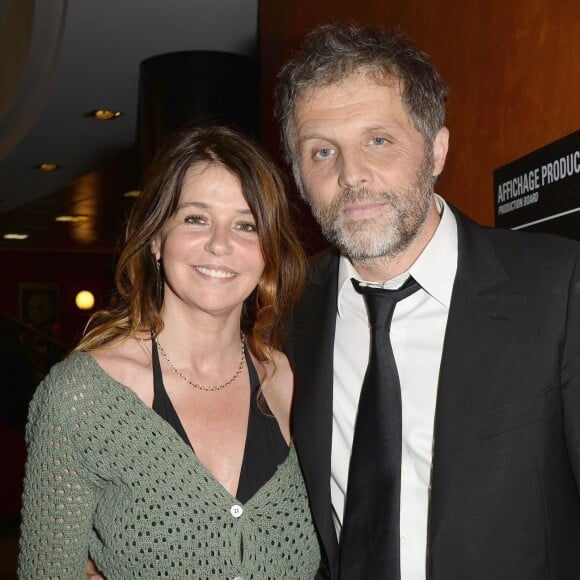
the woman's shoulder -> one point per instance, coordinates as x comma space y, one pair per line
278, 390
128, 362
68, 389
69, 377
282, 368
84, 375
277, 375
74, 368
80, 387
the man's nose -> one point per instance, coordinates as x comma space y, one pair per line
353, 169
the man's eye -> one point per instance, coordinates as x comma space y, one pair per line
323, 153
195, 220
247, 227
378, 141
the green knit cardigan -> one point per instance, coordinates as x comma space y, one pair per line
107, 477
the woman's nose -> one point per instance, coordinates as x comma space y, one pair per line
219, 241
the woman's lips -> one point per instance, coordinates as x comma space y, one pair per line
216, 272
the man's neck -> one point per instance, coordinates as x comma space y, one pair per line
381, 269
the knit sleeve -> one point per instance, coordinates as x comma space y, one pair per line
59, 499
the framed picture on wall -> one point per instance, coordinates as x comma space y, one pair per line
39, 306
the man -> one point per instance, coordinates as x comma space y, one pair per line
487, 350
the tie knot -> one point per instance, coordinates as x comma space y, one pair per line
381, 302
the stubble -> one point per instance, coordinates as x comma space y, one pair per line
388, 235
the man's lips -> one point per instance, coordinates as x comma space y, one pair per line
353, 211
218, 272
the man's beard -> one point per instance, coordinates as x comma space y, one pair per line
388, 234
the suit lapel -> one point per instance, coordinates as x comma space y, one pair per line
483, 321
311, 350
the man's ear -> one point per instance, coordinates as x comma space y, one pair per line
440, 147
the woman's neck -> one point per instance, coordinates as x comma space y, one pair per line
201, 339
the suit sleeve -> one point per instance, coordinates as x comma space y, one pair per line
571, 373
58, 500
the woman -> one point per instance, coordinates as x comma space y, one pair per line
161, 447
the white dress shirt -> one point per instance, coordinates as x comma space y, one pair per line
417, 333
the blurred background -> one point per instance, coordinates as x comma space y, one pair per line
88, 89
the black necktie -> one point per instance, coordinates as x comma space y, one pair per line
370, 540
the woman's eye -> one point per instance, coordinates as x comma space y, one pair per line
247, 227
195, 220
378, 141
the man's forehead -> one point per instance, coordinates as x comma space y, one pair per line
365, 75
358, 99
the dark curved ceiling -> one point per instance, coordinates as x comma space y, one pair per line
61, 59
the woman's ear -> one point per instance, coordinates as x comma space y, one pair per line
156, 248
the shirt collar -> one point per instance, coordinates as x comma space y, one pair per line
434, 269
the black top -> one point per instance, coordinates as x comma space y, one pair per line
265, 446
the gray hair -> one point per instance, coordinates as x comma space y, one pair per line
332, 53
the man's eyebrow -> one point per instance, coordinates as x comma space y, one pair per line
380, 127
311, 137
368, 129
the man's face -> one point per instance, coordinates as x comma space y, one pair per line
364, 168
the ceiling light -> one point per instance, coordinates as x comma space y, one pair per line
15, 236
132, 193
104, 114
71, 218
48, 166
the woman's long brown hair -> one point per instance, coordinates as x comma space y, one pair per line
139, 284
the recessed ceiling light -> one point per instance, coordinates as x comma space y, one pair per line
15, 236
71, 218
104, 114
132, 193
47, 166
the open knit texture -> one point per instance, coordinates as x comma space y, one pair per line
107, 476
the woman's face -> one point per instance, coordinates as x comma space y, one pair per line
210, 249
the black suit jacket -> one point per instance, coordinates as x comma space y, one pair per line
504, 499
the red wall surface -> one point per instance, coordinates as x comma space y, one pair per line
513, 69
70, 272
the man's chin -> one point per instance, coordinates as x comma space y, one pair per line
365, 232
361, 250
369, 241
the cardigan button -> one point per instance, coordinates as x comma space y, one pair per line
236, 510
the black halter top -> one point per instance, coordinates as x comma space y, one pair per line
265, 446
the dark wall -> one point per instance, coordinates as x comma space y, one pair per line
513, 69
69, 272
25, 356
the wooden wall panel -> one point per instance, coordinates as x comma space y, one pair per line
513, 69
